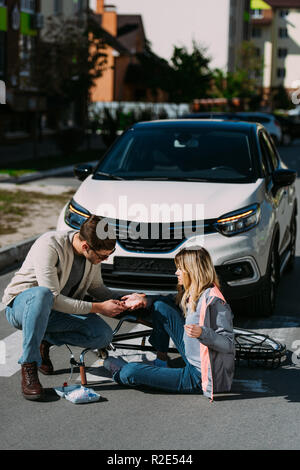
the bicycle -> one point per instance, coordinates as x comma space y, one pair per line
252, 348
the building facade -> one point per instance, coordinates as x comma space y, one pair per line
122, 79
67, 8
20, 25
276, 34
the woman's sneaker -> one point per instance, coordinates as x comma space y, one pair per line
114, 364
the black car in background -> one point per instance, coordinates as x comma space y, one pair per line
289, 125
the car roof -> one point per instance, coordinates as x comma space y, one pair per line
199, 123
228, 114
254, 113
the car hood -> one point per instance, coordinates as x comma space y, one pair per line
164, 201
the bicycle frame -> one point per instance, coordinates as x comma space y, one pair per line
255, 349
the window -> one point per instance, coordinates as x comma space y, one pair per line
28, 5
26, 51
271, 152
256, 32
181, 153
257, 51
78, 6
283, 33
281, 72
267, 163
282, 53
283, 13
58, 7
257, 14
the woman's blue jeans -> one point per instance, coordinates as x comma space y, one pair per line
168, 322
31, 311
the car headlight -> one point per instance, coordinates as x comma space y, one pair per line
239, 221
75, 215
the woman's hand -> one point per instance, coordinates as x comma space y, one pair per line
193, 331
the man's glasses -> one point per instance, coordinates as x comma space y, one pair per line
102, 257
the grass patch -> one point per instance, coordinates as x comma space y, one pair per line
15, 205
17, 169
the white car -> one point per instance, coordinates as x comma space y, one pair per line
166, 185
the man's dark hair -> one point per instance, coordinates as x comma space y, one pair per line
88, 233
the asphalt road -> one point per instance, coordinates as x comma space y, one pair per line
261, 412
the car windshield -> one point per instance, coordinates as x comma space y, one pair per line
172, 154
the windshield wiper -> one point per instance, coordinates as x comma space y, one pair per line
108, 175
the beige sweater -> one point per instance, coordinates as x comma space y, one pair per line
48, 264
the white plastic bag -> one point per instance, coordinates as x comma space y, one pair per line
78, 394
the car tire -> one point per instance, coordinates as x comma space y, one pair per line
292, 247
262, 304
266, 299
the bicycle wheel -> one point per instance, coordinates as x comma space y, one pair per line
258, 350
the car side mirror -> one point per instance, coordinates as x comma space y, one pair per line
284, 177
83, 170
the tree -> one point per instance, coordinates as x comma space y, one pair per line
190, 77
185, 78
243, 83
152, 72
281, 99
69, 57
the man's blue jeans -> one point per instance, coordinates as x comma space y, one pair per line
168, 322
31, 311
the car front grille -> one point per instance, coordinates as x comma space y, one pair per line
140, 273
156, 237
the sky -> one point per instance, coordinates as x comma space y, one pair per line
178, 22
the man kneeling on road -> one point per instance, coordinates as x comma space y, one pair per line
46, 299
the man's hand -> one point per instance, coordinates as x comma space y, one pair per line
193, 331
135, 301
109, 308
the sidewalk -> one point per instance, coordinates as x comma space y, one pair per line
15, 253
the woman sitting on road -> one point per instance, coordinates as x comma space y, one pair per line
199, 322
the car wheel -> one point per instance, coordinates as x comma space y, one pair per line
292, 247
262, 304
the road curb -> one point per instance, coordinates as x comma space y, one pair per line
38, 175
16, 253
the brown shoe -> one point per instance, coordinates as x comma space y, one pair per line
31, 387
46, 367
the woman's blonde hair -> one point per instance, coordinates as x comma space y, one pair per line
198, 274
